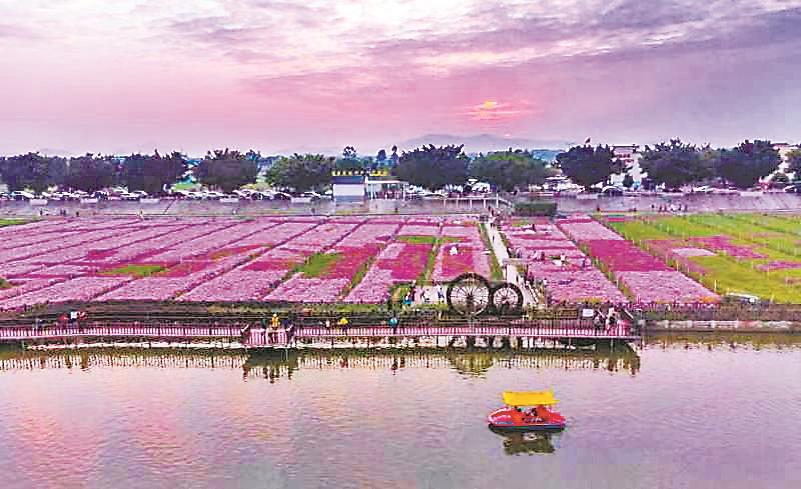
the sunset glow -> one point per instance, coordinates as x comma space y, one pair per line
133, 75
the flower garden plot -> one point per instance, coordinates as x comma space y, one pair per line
419, 230
399, 262
370, 233
723, 244
22, 286
154, 287
39, 249
280, 258
312, 290
665, 286
236, 285
201, 245
77, 289
686, 252
587, 231
585, 285
622, 256
64, 270
470, 253
322, 236
778, 265
20, 269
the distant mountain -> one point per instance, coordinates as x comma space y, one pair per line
484, 143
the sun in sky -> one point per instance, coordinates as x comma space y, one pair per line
492, 110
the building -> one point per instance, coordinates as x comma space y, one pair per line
348, 186
630, 156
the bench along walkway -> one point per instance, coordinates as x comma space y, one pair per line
247, 336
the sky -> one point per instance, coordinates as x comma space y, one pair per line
281, 76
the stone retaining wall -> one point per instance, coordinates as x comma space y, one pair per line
655, 327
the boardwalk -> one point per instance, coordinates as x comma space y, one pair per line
247, 336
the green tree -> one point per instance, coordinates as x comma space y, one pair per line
33, 171
226, 170
90, 173
381, 157
434, 167
587, 166
510, 169
152, 173
744, 165
675, 163
628, 180
302, 172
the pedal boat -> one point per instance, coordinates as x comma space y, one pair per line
527, 411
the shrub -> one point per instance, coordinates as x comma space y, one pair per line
535, 208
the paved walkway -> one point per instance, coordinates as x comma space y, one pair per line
510, 271
510, 274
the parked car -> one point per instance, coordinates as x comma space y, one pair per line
612, 191
280, 196
21, 195
793, 189
211, 195
130, 196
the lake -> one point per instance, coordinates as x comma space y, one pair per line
716, 412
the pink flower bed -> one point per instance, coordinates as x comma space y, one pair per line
567, 281
586, 231
236, 285
65, 270
19, 269
576, 285
398, 263
312, 289
470, 255
723, 243
350, 260
77, 289
778, 265
665, 286
22, 286
622, 256
419, 230
374, 287
154, 288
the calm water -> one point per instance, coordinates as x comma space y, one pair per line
679, 414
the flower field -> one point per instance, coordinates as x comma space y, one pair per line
647, 278
358, 259
574, 280
58, 260
748, 253
469, 256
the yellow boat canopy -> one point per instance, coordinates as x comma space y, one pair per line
529, 398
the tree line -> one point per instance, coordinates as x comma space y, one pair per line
674, 164
429, 166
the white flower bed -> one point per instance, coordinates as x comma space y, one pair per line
685, 252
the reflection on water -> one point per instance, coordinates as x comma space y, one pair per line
277, 364
183, 418
531, 442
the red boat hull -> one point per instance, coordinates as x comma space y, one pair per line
514, 419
